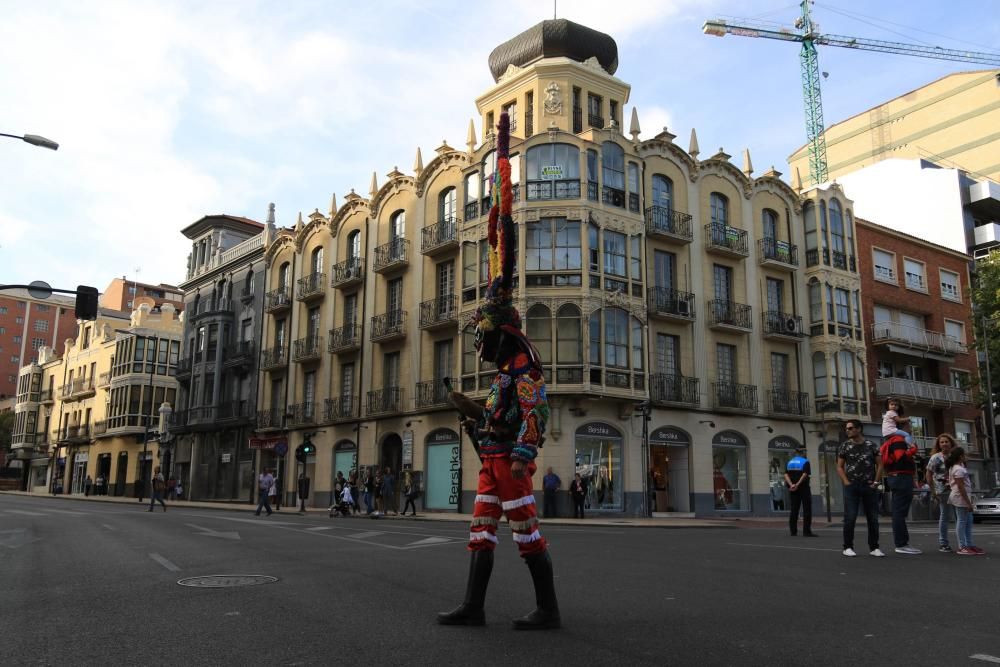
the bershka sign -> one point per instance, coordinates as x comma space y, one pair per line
783, 442
266, 443
441, 436
598, 430
731, 438
669, 435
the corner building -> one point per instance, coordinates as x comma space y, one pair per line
646, 276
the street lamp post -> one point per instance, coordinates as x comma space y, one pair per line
34, 140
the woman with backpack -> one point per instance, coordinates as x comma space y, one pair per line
961, 499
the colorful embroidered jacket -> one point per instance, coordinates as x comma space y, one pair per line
516, 411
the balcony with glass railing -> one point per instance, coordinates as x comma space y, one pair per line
389, 326
385, 401
725, 240
311, 287
439, 313
922, 393
277, 300
670, 388
730, 316
670, 304
392, 256
439, 238
348, 273
906, 339
668, 224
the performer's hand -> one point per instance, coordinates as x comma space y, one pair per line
518, 469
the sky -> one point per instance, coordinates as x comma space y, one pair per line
167, 111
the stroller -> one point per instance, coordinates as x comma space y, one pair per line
345, 505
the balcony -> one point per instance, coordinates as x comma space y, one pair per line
212, 307
670, 304
922, 393
726, 241
554, 189
432, 394
389, 326
307, 349
595, 121
344, 339
340, 408
730, 316
348, 273
392, 256
916, 342
66, 391
302, 414
77, 434
100, 427
273, 358
668, 224
183, 368
82, 388
104, 380
311, 287
203, 416
668, 388
239, 355
269, 419
785, 402
439, 238
735, 397
385, 401
577, 120
613, 197
778, 254
843, 262
45, 397
236, 411
781, 325
439, 313
277, 300
472, 210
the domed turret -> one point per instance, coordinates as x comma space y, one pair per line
552, 39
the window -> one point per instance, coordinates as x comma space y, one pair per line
594, 247
837, 232
633, 187
17, 340
719, 207
489, 166
885, 265
963, 432
594, 118
248, 284
616, 338
43, 325
815, 302
346, 382
725, 357
553, 172
569, 335
354, 245
613, 174
3, 310
775, 290
529, 114
394, 298
284, 275
819, 374
915, 274
397, 225
37, 343
637, 347
472, 189
511, 110
390, 370
443, 363
843, 305
664, 270
489, 125
959, 379
845, 364
316, 260
447, 205
812, 240
309, 394
635, 257
592, 174
950, 288
663, 192
18, 320
769, 224
538, 321
614, 253
553, 244
312, 327
779, 371
954, 331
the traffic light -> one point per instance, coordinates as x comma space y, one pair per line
304, 450
86, 302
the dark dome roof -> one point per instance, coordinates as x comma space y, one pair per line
551, 39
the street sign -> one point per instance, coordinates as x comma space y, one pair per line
40, 289
281, 448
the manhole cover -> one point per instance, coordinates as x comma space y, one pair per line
227, 580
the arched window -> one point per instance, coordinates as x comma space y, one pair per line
489, 169
447, 205
637, 355
472, 189
837, 230
769, 223
316, 260
569, 336
613, 173
719, 206
849, 230
248, 286
819, 374
354, 245
539, 329
812, 242
284, 275
397, 225
663, 192
824, 239
616, 338
553, 171
515, 168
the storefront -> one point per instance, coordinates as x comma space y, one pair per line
730, 483
780, 451
598, 460
80, 460
271, 455
830, 487
670, 469
444, 470
345, 459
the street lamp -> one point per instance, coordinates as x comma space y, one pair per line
34, 140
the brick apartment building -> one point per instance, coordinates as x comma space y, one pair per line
26, 324
917, 313
121, 292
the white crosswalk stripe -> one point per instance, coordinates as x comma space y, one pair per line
25, 513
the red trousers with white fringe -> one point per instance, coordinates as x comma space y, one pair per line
499, 493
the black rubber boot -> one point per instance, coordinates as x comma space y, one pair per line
546, 614
470, 612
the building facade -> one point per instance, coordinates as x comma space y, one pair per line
652, 280
87, 411
917, 310
121, 294
218, 370
26, 325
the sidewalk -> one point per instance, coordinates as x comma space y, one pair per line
290, 512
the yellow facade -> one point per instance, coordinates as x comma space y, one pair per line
92, 403
954, 121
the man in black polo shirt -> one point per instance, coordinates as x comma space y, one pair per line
897, 457
859, 467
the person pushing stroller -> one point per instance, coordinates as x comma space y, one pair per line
344, 506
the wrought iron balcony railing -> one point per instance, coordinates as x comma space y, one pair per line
733, 396
389, 325
554, 189
669, 303
730, 314
277, 300
431, 393
440, 236
726, 240
340, 408
391, 255
311, 286
273, 357
786, 402
777, 323
302, 413
439, 312
308, 348
774, 252
343, 339
347, 273
672, 388
385, 401
268, 419
668, 223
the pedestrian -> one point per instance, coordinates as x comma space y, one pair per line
389, 498
900, 467
272, 491
180, 490
338, 491
797, 474
86, 486
171, 488
278, 486
159, 486
410, 492
352, 480
550, 486
99, 485
369, 490
961, 499
936, 476
893, 418
859, 466
578, 491
264, 483
379, 500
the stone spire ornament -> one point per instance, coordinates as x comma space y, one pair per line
418, 164
373, 189
747, 164
796, 180
633, 126
270, 231
470, 139
693, 149
298, 223
333, 205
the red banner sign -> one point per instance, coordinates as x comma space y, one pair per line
268, 443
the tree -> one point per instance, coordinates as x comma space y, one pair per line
986, 305
6, 432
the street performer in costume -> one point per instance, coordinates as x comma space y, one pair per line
508, 431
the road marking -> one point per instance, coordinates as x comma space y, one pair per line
429, 541
364, 536
985, 658
776, 546
68, 512
109, 527
164, 562
226, 535
320, 528
26, 513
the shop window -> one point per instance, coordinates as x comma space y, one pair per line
599, 463
778, 493
729, 478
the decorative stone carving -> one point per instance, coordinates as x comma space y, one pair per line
553, 99
510, 72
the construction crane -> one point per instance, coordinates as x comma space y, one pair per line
806, 32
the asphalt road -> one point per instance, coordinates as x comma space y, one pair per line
91, 583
